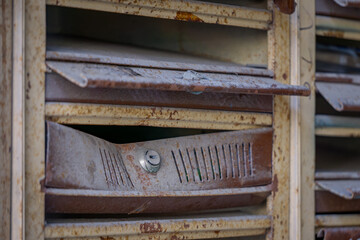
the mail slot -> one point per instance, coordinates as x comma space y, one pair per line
85, 174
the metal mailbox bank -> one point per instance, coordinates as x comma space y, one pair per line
179, 119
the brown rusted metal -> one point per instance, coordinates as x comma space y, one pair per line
330, 8
59, 89
210, 171
106, 76
339, 233
286, 6
160, 71
338, 78
327, 202
341, 96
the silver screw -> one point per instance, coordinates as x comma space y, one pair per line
150, 161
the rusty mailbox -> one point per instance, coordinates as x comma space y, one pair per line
86, 174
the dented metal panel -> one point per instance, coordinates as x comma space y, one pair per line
341, 96
107, 76
339, 233
348, 189
58, 89
94, 64
196, 172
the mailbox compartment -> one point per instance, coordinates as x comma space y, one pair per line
85, 174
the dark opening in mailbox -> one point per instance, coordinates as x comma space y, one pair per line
85, 174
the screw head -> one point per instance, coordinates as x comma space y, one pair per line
150, 161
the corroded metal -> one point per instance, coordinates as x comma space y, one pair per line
172, 228
286, 6
106, 76
97, 114
191, 11
59, 89
198, 172
158, 71
339, 233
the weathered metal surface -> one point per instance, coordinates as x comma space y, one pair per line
162, 228
106, 76
337, 220
339, 233
302, 141
337, 28
338, 78
192, 11
217, 161
341, 96
348, 189
71, 113
337, 126
79, 50
286, 6
279, 62
330, 8
59, 89
18, 123
35, 30
327, 202
6, 12
348, 3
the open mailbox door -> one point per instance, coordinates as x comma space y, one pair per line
85, 174
341, 91
88, 71
338, 195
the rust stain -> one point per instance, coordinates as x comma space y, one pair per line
107, 238
186, 16
286, 6
335, 34
275, 185
150, 228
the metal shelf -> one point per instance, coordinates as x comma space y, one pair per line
210, 227
192, 11
337, 28
97, 114
337, 220
335, 126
